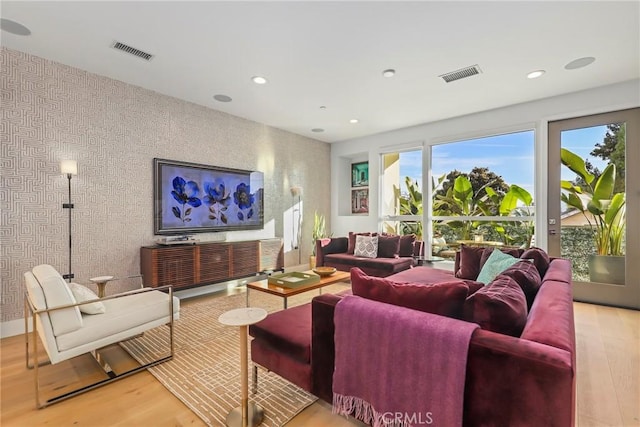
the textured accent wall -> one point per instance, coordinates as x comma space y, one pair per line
52, 112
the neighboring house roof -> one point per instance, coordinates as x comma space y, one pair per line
575, 218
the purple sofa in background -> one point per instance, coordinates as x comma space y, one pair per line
338, 253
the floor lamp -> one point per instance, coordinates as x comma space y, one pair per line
70, 168
297, 191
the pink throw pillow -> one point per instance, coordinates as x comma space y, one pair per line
406, 245
445, 299
540, 259
388, 246
499, 307
469, 262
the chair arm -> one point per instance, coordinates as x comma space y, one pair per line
124, 294
322, 345
534, 382
336, 245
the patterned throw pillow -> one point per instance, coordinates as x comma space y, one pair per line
366, 246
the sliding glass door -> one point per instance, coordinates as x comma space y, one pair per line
594, 207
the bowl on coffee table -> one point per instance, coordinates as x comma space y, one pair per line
324, 271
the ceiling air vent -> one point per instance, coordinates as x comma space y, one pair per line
132, 51
461, 73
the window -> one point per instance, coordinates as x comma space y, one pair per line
401, 192
483, 192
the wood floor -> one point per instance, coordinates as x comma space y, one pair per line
608, 394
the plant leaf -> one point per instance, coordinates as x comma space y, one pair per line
603, 188
576, 164
176, 211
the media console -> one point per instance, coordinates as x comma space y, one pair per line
208, 263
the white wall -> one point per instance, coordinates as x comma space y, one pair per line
535, 114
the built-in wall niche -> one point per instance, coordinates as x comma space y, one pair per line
353, 184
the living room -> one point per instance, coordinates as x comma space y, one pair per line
114, 127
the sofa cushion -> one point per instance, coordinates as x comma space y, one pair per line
288, 331
406, 245
473, 285
388, 265
526, 275
497, 262
540, 259
446, 298
121, 316
469, 262
388, 246
366, 246
486, 253
82, 294
423, 275
351, 247
499, 307
57, 293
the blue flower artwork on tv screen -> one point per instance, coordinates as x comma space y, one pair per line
200, 198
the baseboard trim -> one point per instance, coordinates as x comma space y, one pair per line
13, 328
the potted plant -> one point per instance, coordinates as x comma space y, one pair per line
607, 216
319, 232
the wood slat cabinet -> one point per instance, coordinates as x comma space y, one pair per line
205, 263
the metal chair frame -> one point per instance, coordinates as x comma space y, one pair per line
31, 311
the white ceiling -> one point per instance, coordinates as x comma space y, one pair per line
333, 53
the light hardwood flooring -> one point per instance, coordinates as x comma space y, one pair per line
608, 360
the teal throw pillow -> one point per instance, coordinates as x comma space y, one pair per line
496, 264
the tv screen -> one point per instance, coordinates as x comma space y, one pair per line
195, 198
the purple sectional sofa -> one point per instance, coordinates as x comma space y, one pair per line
522, 375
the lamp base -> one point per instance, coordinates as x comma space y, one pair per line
256, 414
68, 276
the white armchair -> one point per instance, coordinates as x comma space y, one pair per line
66, 332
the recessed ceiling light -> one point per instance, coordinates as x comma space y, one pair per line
580, 62
14, 27
222, 98
535, 74
322, 107
317, 130
259, 80
353, 121
389, 73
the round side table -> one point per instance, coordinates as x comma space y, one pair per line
101, 282
247, 414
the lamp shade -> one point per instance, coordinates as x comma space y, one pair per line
296, 191
69, 167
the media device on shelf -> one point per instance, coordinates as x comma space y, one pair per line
195, 198
177, 240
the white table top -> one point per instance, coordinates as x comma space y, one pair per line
101, 279
242, 316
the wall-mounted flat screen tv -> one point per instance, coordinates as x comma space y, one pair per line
195, 198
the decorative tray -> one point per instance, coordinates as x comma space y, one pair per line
293, 279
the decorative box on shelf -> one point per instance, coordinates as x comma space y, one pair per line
293, 279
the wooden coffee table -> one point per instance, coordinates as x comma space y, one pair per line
265, 286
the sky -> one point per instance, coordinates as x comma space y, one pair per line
582, 142
510, 156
